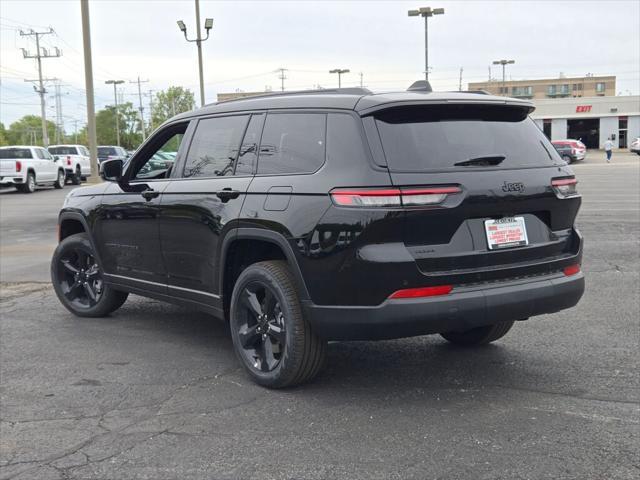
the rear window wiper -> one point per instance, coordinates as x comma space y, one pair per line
486, 161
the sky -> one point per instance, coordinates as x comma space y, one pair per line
251, 39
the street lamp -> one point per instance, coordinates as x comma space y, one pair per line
115, 98
426, 12
208, 25
503, 63
339, 71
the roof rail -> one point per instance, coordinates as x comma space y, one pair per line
477, 92
324, 91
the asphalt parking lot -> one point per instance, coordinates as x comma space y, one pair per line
155, 392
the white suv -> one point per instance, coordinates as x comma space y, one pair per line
635, 146
76, 160
25, 167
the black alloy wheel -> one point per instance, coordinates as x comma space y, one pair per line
261, 327
78, 282
79, 278
271, 336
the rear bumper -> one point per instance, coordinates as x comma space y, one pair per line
463, 309
11, 180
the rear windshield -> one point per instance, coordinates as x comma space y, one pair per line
15, 153
420, 138
106, 151
63, 151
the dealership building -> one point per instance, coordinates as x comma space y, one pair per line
592, 119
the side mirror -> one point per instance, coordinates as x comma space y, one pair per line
111, 170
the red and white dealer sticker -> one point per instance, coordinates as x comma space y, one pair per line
506, 232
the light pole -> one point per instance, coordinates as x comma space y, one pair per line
426, 12
339, 71
504, 63
208, 25
115, 98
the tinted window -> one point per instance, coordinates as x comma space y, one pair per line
437, 137
214, 147
292, 143
106, 151
23, 153
63, 150
249, 148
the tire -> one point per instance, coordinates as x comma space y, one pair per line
480, 335
271, 337
62, 179
77, 279
30, 185
567, 159
76, 179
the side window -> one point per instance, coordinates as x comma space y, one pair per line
40, 154
292, 143
249, 148
159, 164
215, 146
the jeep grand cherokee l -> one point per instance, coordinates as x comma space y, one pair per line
335, 215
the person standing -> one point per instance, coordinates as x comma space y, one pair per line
608, 147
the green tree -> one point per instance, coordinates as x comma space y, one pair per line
170, 102
128, 122
3, 135
28, 130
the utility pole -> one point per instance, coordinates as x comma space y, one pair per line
115, 98
426, 12
75, 131
58, 111
339, 71
460, 80
282, 77
144, 133
361, 80
39, 55
504, 63
150, 93
208, 25
88, 82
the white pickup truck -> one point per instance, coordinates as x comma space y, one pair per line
76, 160
25, 167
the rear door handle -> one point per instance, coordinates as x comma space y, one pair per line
227, 194
150, 194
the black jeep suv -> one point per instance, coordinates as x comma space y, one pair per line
332, 215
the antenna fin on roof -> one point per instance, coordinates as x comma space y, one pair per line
420, 86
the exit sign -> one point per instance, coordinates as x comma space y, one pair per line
583, 108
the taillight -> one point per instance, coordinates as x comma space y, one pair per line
423, 292
565, 187
391, 197
571, 270
18, 166
68, 160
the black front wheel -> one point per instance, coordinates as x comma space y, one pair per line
77, 279
270, 335
480, 335
76, 179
